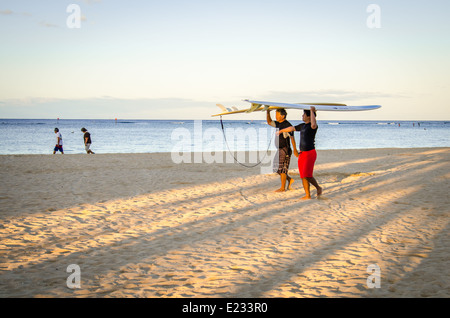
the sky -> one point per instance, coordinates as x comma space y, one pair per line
144, 59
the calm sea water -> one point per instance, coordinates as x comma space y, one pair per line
36, 136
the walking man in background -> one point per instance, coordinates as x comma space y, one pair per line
87, 141
59, 142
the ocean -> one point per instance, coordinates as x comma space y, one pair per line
36, 136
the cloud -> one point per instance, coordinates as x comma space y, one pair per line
9, 12
327, 96
90, 1
6, 12
48, 25
106, 107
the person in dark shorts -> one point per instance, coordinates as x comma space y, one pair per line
87, 141
308, 155
283, 143
59, 142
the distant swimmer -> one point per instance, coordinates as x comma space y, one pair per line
59, 142
308, 154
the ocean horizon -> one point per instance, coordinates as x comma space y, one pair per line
36, 136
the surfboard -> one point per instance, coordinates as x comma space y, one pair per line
263, 106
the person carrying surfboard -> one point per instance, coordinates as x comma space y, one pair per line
308, 155
284, 148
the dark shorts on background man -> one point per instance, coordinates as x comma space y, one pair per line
58, 148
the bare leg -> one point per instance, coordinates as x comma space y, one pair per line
290, 182
283, 183
313, 181
306, 187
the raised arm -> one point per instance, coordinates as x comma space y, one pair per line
269, 119
313, 118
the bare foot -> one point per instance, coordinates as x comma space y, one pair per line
306, 198
319, 191
280, 190
290, 184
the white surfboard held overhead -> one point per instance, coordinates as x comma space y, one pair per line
263, 106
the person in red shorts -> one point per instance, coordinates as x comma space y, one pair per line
308, 154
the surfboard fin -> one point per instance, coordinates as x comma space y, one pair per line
223, 108
254, 107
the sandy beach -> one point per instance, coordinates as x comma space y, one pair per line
139, 225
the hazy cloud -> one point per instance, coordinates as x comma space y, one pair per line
327, 96
9, 12
48, 25
90, 1
106, 107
